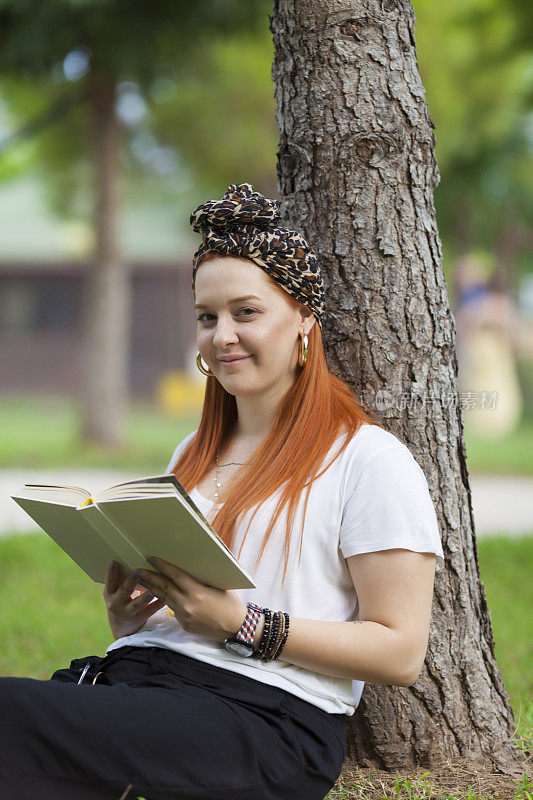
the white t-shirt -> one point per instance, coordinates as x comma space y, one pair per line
373, 497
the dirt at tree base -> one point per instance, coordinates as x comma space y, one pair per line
450, 778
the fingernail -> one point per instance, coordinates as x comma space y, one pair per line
136, 576
113, 564
151, 559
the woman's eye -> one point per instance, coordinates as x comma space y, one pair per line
246, 312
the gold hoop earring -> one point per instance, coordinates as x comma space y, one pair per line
201, 367
303, 355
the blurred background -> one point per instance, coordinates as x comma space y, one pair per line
116, 120
114, 126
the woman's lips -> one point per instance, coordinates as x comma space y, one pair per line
233, 360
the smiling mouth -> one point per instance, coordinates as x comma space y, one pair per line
233, 361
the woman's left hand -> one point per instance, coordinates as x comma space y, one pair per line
213, 613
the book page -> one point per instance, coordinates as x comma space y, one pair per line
67, 495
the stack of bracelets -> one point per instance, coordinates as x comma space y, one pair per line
274, 636
275, 633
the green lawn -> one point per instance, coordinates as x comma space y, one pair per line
512, 455
43, 432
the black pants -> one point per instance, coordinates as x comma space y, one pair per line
166, 726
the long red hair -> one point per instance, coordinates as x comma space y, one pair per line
314, 412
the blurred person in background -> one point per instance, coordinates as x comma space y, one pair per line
487, 323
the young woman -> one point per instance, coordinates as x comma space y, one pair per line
244, 694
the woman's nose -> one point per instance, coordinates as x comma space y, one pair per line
224, 332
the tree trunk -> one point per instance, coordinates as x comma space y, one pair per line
357, 171
107, 318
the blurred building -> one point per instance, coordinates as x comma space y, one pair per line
41, 323
44, 263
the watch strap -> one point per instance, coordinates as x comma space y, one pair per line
246, 632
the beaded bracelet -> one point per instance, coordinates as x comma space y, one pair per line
275, 637
261, 650
275, 633
272, 633
285, 634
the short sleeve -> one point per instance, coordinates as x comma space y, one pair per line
178, 451
388, 505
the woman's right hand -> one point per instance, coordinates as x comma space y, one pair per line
126, 614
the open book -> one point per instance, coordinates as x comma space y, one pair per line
129, 521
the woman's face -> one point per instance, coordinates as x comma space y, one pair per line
242, 313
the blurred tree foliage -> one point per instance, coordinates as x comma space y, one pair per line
197, 72
475, 62
221, 114
203, 71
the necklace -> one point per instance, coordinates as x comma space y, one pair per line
217, 471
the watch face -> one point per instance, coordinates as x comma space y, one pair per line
239, 648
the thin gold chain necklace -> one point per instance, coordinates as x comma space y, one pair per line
217, 471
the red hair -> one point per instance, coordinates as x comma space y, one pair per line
314, 412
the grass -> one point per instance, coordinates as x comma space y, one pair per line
511, 455
42, 432
450, 783
51, 613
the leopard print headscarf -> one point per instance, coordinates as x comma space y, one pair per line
244, 223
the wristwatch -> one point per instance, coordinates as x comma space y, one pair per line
242, 642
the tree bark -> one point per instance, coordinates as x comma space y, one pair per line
357, 171
107, 318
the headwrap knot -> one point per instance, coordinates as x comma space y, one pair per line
239, 206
